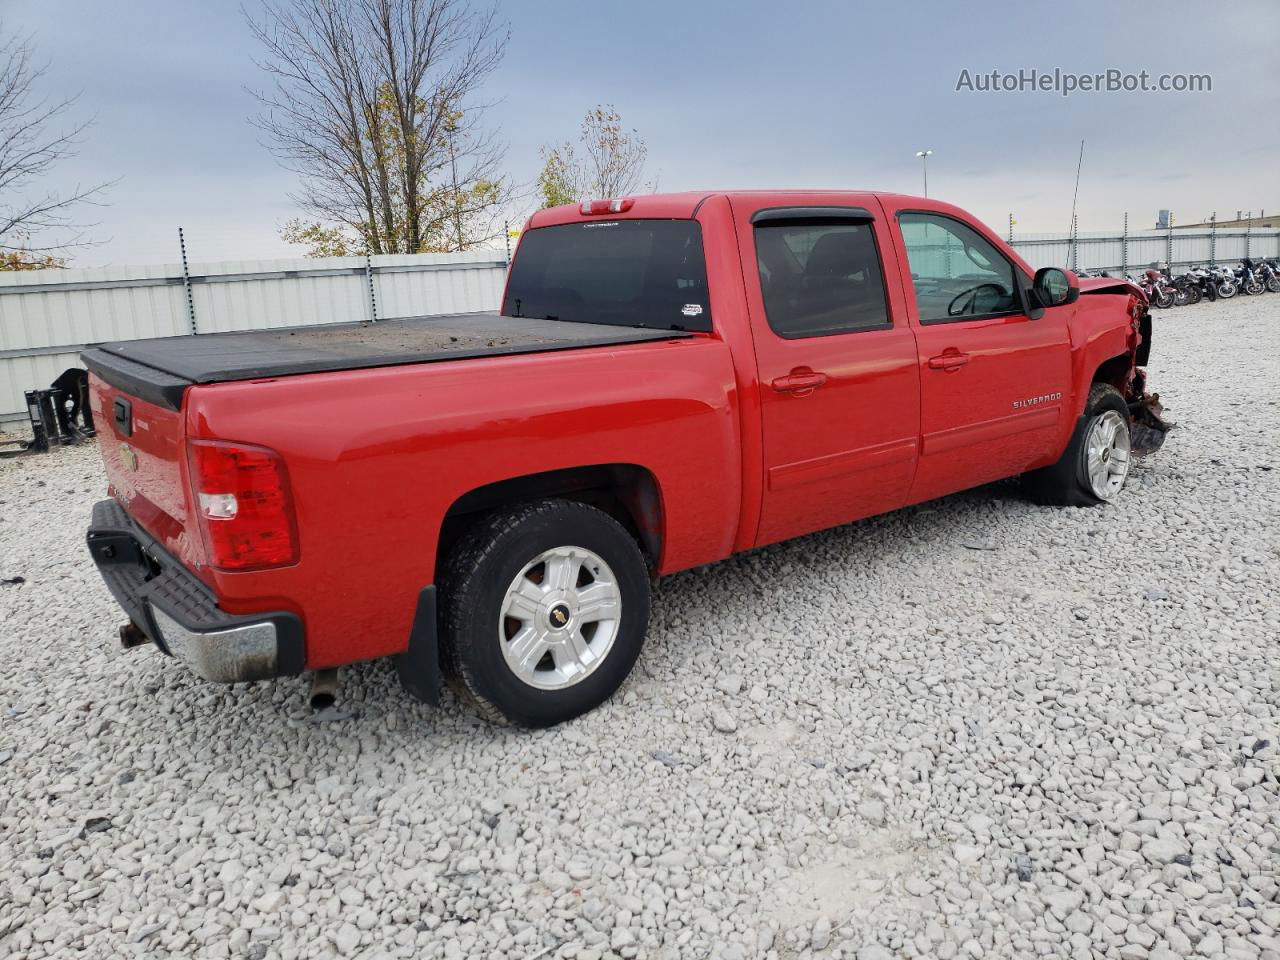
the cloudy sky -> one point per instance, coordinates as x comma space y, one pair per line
730, 93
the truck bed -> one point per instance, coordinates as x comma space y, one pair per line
159, 370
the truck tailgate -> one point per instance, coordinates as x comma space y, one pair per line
143, 447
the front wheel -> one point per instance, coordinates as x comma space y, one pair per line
544, 611
1253, 288
1273, 284
1162, 298
1095, 465
1227, 289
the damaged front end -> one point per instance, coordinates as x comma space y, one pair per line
1147, 425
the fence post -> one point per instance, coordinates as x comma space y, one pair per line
1075, 237
1168, 242
1011, 229
186, 283
1213, 239
1124, 247
506, 238
1248, 231
373, 297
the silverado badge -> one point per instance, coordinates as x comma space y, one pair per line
1036, 401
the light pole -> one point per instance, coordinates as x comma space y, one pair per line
924, 165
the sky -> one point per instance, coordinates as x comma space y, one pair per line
808, 93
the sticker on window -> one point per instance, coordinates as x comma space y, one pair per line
692, 309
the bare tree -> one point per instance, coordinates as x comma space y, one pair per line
370, 102
35, 134
611, 165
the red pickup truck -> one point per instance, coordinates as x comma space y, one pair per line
671, 379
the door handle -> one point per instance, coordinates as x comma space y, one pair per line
799, 382
951, 361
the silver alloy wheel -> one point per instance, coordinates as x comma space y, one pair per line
1107, 454
560, 617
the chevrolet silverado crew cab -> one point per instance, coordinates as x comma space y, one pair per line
671, 379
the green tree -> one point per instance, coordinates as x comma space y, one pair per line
322, 241
556, 181
371, 103
26, 260
611, 162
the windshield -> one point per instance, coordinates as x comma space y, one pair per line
635, 273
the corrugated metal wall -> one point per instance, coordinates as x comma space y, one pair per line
1137, 251
46, 316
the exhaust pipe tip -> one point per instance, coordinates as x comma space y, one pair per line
324, 689
131, 636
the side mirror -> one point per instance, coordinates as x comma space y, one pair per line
1055, 288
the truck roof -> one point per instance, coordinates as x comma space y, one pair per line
682, 206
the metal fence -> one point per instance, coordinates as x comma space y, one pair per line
48, 316
1125, 251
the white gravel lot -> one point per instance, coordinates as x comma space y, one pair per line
975, 728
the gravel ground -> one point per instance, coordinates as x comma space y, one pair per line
975, 728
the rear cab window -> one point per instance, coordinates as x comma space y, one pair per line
820, 278
634, 273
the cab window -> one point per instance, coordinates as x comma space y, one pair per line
956, 272
820, 278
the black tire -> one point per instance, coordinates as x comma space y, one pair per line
1066, 483
474, 584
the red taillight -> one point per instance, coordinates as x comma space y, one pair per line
591, 208
242, 497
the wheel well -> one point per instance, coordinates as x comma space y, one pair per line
628, 493
1114, 371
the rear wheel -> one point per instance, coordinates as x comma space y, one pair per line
1095, 465
544, 611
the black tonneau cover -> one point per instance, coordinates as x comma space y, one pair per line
159, 370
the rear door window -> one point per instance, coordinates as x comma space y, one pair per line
820, 278
635, 273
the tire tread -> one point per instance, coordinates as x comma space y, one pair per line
1059, 484
474, 553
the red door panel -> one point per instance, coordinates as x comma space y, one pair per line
997, 414
992, 388
840, 412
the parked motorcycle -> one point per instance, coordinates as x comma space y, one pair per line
1225, 280
1204, 282
1247, 279
1160, 291
1269, 274
1186, 290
